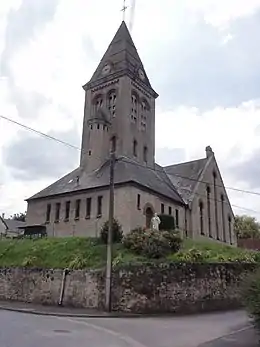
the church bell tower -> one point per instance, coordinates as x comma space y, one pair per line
119, 111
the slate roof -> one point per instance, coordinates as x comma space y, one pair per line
176, 182
184, 176
126, 171
122, 55
12, 224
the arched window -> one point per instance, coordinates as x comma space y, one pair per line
145, 154
216, 203
230, 229
135, 148
209, 211
144, 109
201, 216
98, 102
223, 217
111, 101
134, 107
113, 144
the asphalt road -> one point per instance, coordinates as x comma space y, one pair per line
26, 330
245, 338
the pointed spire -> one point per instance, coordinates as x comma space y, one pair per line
121, 56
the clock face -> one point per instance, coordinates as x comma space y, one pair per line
141, 74
106, 69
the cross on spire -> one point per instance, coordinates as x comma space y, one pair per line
124, 9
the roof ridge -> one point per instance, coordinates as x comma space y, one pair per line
185, 162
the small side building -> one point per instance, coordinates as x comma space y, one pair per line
11, 228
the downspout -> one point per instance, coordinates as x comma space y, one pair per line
63, 282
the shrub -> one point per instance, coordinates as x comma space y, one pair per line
167, 222
152, 244
78, 262
117, 232
174, 240
193, 255
250, 295
29, 261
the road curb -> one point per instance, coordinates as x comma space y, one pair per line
98, 314
75, 315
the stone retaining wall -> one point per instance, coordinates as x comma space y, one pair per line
178, 287
158, 288
44, 287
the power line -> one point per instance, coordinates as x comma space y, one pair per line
172, 186
134, 163
40, 133
77, 148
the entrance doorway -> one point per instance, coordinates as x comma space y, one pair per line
149, 216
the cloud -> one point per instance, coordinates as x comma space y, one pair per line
223, 13
200, 58
167, 156
248, 171
24, 24
32, 157
207, 67
233, 134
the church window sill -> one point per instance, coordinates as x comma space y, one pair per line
99, 215
76, 218
87, 217
66, 220
47, 222
56, 221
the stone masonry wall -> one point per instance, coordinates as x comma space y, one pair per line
44, 287
162, 288
178, 288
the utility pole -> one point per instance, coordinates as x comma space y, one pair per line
110, 233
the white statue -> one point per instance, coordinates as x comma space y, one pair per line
155, 222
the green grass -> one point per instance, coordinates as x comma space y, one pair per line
210, 251
77, 253
52, 253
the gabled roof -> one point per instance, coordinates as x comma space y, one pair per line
126, 171
121, 55
184, 176
12, 224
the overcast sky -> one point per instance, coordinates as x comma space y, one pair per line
201, 56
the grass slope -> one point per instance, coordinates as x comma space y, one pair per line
78, 253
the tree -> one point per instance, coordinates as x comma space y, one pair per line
246, 227
19, 216
117, 232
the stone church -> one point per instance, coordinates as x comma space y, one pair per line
119, 115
